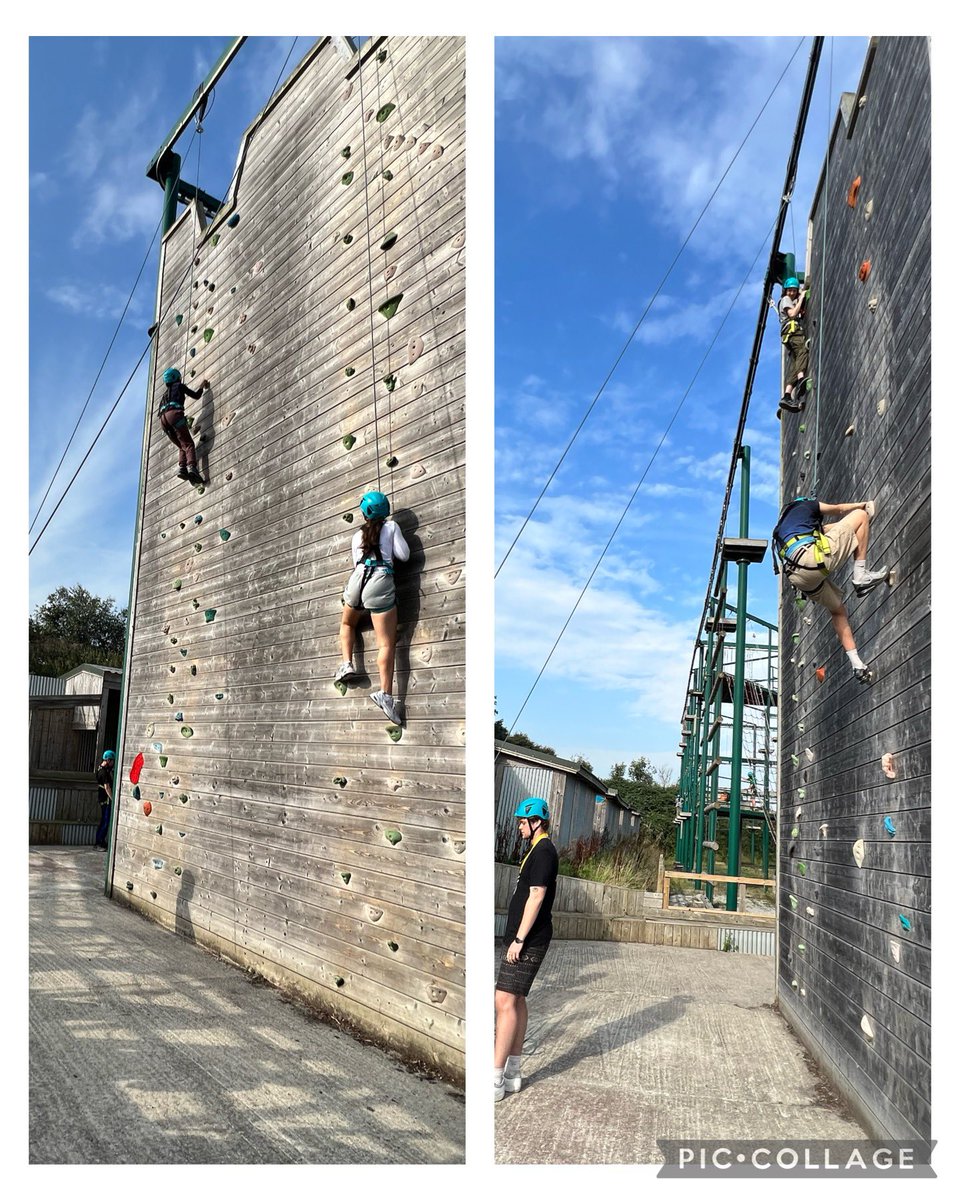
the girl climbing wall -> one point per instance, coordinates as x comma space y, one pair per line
173, 421
371, 589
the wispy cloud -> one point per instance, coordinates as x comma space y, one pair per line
93, 300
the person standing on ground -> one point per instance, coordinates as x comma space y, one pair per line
105, 795
371, 589
810, 553
173, 422
790, 310
526, 940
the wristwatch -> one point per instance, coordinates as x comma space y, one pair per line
520, 940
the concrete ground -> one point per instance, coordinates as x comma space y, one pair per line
630, 1043
145, 1049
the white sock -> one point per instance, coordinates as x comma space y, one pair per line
859, 571
497, 1076
513, 1065
855, 660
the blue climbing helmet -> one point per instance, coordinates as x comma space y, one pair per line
374, 505
533, 806
171, 375
108, 755
791, 282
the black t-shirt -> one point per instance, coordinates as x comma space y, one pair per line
539, 869
175, 393
105, 775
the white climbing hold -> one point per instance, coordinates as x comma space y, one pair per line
803, 991
811, 912
823, 829
809, 753
889, 766
795, 984
881, 406
868, 209
867, 1026
873, 302
859, 852
849, 431
895, 951
799, 811
414, 349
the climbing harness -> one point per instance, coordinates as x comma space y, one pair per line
788, 550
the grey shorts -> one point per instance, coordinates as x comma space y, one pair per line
518, 977
843, 542
377, 595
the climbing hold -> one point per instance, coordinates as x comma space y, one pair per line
794, 697
183, 797
895, 951
801, 727
437, 151
881, 406
183, 653
389, 307
224, 535
459, 847
859, 852
218, 695
351, 304
163, 757
129, 886
170, 694
347, 179
174, 640
852, 194
179, 318
186, 731
802, 868
795, 984
347, 239
802, 793
414, 349
867, 1026
233, 221
418, 471
348, 371
153, 895
197, 547
810, 911
795, 831
801, 948
345, 152
796, 638
209, 614
393, 836
375, 913
424, 147
385, 112
348, 517
889, 766
864, 271
340, 780
392, 460
135, 768
393, 946
175, 779
821, 674
207, 334
158, 864
345, 876
803, 429
178, 716
193, 669
215, 239
905, 922
394, 733
389, 381
388, 175
793, 902
889, 826
340, 981
193, 351
349, 441
382, 56
809, 754
178, 870
868, 210
158, 829
181, 833
136, 793
177, 585
798, 814
795, 759
340, 686
147, 808
163, 537
873, 303
389, 274
390, 240
800, 602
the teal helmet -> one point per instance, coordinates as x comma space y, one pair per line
791, 282
374, 504
533, 806
171, 375
108, 755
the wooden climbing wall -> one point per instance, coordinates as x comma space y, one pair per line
286, 829
854, 952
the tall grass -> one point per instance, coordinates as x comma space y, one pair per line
631, 864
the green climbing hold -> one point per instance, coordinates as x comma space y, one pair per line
197, 547
209, 614
193, 669
183, 797
803, 429
183, 653
178, 870
382, 56
351, 304
207, 334
224, 535
802, 868
393, 836
163, 757
177, 585
345, 876
340, 779
801, 602
393, 946
795, 759
190, 421
392, 460
348, 517
793, 902
795, 831
801, 948
215, 239
390, 382
345, 152
340, 686
388, 175
385, 112
349, 441
348, 371
136, 793
347, 239
170, 697
179, 318
347, 179
200, 489
186, 731
389, 307
796, 638
394, 733
129, 886
390, 240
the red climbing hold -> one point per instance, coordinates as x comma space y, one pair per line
852, 194
136, 769
821, 674
147, 808
864, 270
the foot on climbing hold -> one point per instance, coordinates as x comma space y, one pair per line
870, 579
388, 706
345, 671
788, 404
863, 675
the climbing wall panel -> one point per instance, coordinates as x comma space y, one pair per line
286, 828
854, 970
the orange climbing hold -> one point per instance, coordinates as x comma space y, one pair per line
852, 194
821, 674
147, 808
864, 270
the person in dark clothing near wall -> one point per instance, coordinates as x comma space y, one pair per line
173, 422
105, 792
526, 939
791, 311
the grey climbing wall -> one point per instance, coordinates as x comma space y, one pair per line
854, 962
276, 820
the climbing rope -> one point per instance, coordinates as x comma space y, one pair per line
366, 206
646, 310
822, 285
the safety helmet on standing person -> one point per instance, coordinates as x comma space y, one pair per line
533, 806
374, 505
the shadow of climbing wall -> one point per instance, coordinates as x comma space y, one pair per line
275, 820
854, 969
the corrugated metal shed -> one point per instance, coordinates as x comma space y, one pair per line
47, 685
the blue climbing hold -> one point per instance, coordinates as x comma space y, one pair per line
233, 221
905, 922
889, 826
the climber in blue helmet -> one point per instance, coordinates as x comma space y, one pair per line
793, 335
527, 937
371, 589
173, 422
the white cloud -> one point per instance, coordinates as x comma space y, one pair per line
94, 300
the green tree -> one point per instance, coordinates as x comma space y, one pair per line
71, 627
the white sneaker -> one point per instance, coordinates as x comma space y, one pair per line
344, 672
388, 706
498, 1090
871, 579
512, 1083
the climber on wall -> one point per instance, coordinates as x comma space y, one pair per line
371, 589
790, 310
810, 553
173, 421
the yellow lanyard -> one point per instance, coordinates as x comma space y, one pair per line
540, 836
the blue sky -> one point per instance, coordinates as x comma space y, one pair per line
99, 109
607, 149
